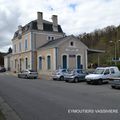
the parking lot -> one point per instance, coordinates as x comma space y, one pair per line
57, 100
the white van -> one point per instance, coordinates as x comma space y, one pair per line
102, 75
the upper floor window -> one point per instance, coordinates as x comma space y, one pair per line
72, 44
20, 48
26, 44
51, 38
15, 48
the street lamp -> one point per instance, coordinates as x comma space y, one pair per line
115, 42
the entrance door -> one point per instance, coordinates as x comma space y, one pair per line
64, 61
79, 66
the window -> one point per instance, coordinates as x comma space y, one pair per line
64, 71
106, 72
50, 38
26, 63
112, 71
15, 48
15, 63
64, 61
48, 62
26, 44
40, 63
20, 47
79, 62
72, 43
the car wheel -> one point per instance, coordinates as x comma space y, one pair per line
100, 82
88, 82
113, 86
26, 76
61, 78
18, 76
76, 80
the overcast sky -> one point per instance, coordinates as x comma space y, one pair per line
75, 16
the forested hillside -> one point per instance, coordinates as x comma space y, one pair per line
103, 39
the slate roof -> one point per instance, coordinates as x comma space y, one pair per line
47, 26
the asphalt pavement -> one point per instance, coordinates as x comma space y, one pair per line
58, 100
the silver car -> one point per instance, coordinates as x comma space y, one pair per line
28, 74
76, 75
59, 74
115, 83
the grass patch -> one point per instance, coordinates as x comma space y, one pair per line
2, 116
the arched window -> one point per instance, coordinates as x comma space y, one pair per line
79, 62
40, 63
64, 61
26, 63
48, 62
72, 43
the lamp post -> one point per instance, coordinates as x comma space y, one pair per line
115, 42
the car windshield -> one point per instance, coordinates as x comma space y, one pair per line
32, 71
98, 71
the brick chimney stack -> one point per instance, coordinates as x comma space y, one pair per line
55, 23
40, 20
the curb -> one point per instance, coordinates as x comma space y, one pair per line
7, 111
44, 77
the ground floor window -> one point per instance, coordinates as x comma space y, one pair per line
40, 63
48, 62
26, 63
20, 64
64, 61
15, 63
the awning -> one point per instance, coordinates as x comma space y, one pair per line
91, 51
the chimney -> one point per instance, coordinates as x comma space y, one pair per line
20, 30
55, 23
20, 27
40, 20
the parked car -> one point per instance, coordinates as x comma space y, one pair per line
76, 75
2, 69
28, 74
102, 75
59, 74
115, 83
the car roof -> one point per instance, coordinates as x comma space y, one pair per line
106, 67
